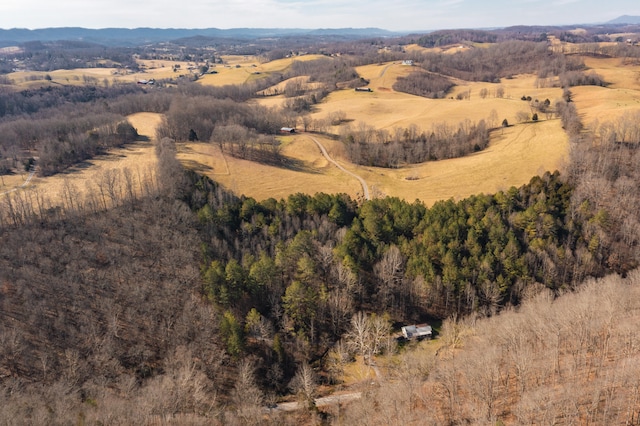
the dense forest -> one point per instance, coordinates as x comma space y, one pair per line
164, 298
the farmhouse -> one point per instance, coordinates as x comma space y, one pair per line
408, 62
152, 81
419, 332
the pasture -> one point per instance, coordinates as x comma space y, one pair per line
233, 70
385, 108
621, 95
138, 158
306, 170
514, 155
444, 49
242, 69
156, 69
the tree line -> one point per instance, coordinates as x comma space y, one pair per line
63, 140
448, 37
500, 60
31, 101
428, 85
67, 54
368, 146
68, 124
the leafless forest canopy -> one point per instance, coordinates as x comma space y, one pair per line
158, 297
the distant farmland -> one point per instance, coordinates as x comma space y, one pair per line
515, 154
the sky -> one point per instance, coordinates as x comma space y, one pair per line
394, 15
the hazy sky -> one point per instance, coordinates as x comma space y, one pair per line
398, 15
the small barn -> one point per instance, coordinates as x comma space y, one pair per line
363, 89
287, 130
417, 332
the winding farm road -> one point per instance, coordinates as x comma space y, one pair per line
25, 183
365, 188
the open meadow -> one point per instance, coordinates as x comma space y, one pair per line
306, 171
243, 69
621, 95
232, 70
150, 69
138, 159
515, 153
385, 108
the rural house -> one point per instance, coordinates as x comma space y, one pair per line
418, 332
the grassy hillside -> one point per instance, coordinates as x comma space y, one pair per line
621, 95
137, 160
515, 154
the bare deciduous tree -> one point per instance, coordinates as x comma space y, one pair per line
304, 384
246, 396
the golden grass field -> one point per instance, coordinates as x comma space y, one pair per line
606, 103
139, 158
233, 70
540, 146
242, 69
444, 49
156, 69
514, 156
385, 108
260, 181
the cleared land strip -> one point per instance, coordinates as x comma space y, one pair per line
320, 402
365, 188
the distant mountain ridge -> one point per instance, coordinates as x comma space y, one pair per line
139, 36
131, 37
625, 19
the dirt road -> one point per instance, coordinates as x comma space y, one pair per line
365, 187
25, 183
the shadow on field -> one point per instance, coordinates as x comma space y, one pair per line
275, 160
77, 168
182, 148
196, 166
294, 165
